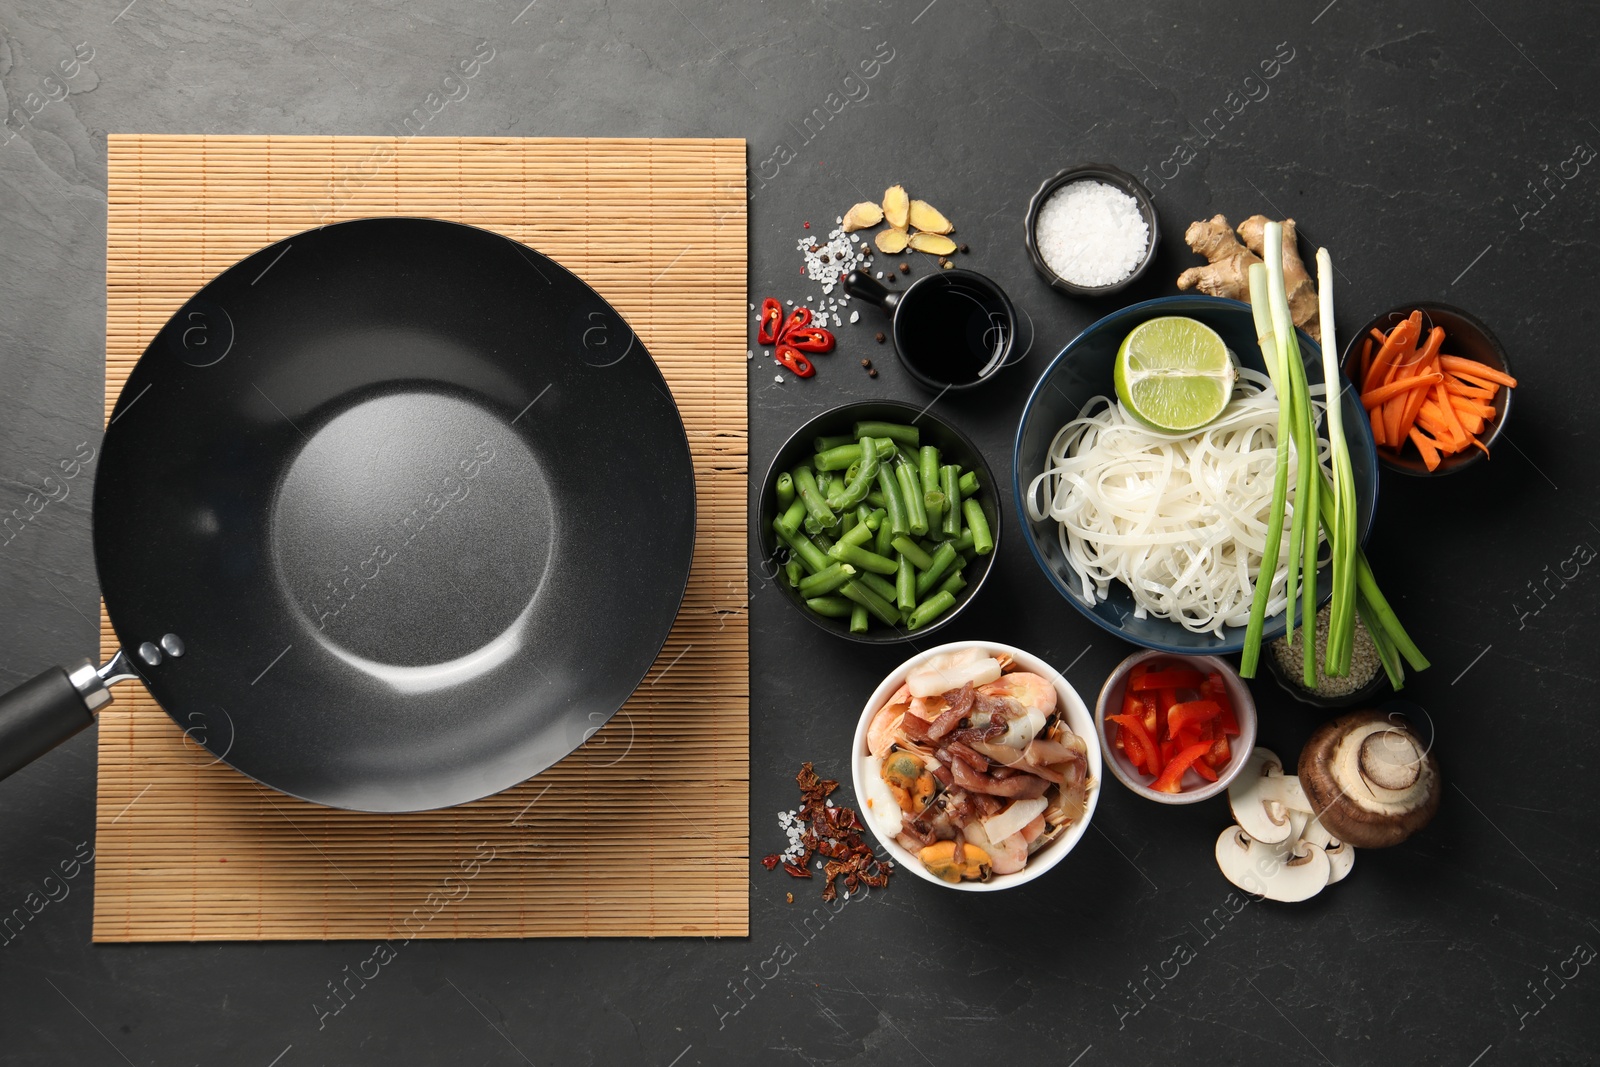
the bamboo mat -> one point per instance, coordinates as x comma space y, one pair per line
644, 830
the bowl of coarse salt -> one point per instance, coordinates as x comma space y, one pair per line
1092, 230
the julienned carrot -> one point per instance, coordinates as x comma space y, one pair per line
1395, 388
1464, 404
1376, 415
1441, 401
1428, 360
1399, 339
1366, 356
1478, 392
1457, 365
1430, 454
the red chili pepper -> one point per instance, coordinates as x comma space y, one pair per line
1170, 679
1189, 715
791, 357
1137, 734
1172, 775
771, 316
811, 339
799, 318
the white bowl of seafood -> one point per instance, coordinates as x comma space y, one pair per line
976, 765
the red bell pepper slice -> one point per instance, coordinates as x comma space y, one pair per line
771, 317
1221, 753
1204, 769
810, 339
1169, 780
792, 358
1170, 679
1190, 714
1149, 755
1213, 688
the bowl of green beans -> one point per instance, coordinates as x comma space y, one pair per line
878, 520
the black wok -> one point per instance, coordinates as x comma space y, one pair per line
400, 510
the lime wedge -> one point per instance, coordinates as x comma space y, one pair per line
1174, 374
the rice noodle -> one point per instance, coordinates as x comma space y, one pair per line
1181, 520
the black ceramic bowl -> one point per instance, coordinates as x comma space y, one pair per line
1112, 176
1464, 335
954, 447
1085, 369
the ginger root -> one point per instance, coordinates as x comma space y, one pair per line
1228, 261
1302, 291
1226, 272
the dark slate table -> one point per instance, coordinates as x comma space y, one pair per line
1426, 143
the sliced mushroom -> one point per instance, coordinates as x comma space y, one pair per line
1369, 779
1264, 819
1291, 872
1341, 858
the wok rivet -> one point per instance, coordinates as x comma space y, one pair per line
173, 645
150, 653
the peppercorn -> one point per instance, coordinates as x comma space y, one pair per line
872, 374
905, 268
878, 337
891, 276
867, 363
965, 249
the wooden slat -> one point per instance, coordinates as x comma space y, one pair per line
654, 843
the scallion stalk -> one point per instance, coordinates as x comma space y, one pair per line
1280, 479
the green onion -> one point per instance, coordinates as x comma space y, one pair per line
1280, 480
1342, 537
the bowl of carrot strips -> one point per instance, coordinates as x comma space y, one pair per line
1435, 383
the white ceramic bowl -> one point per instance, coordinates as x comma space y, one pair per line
1195, 788
1069, 703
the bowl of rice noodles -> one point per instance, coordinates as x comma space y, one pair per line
1157, 538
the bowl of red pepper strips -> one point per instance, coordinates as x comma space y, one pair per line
1175, 729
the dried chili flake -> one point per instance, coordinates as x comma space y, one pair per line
821, 828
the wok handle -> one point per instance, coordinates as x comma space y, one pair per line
44, 711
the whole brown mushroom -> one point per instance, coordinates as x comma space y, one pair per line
1370, 780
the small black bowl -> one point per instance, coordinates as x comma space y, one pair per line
1112, 176
1464, 335
1363, 697
954, 447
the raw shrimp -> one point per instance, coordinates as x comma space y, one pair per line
880, 735
1029, 690
1007, 856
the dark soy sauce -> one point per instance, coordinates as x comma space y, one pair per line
954, 330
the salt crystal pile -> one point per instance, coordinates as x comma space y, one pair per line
1091, 233
835, 256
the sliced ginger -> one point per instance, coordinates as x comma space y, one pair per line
862, 216
926, 217
896, 206
890, 242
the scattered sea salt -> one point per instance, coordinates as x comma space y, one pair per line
778, 378
1091, 233
835, 256
855, 316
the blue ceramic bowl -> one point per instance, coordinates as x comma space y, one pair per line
1084, 369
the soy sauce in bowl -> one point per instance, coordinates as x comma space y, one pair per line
953, 329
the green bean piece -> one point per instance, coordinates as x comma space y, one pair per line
912, 551
929, 579
792, 572
872, 517
898, 432
949, 477
859, 534
963, 544
832, 607
858, 619
892, 501
874, 602
822, 444
968, 484
982, 542
785, 489
878, 584
911, 496
875, 499
822, 541
953, 584
905, 585
855, 491
935, 503
928, 467
861, 558
887, 447
885, 536
812, 558
838, 458
811, 526
847, 521
791, 519
805, 485
825, 480
930, 609
826, 581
